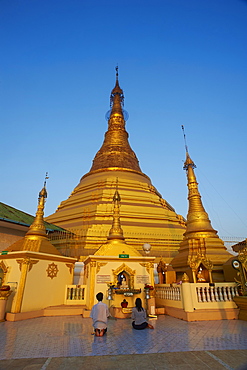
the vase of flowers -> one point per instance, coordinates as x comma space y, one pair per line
111, 285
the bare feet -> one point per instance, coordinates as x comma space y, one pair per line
150, 326
97, 332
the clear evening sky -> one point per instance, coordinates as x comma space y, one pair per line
181, 62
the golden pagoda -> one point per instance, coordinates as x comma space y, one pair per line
33, 267
145, 216
36, 239
202, 253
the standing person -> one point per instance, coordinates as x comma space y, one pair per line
139, 316
99, 314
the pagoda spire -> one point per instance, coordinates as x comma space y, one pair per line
116, 152
37, 228
202, 253
117, 99
36, 239
116, 231
198, 223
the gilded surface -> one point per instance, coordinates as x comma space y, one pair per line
3, 267
5, 294
116, 150
161, 267
32, 245
242, 256
147, 265
86, 271
36, 239
26, 261
92, 283
185, 278
70, 267
116, 231
24, 266
201, 244
197, 219
195, 262
38, 226
145, 216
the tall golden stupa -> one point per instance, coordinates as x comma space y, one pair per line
202, 253
145, 216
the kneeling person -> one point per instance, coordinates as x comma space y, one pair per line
99, 314
139, 316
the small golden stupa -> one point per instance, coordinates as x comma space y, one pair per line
36, 239
202, 253
145, 216
33, 267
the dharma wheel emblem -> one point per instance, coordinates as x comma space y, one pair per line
52, 270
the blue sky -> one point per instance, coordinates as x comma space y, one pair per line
180, 63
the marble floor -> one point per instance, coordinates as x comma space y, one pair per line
71, 336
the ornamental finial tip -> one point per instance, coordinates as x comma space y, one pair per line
116, 72
186, 147
188, 162
46, 178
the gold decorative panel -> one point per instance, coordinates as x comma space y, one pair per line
147, 265
26, 261
70, 266
5, 270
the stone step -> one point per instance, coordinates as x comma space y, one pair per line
61, 310
64, 310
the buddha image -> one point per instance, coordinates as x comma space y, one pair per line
123, 282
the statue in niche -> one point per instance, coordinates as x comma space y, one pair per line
200, 277
122, 281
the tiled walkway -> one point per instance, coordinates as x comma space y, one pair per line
60, 342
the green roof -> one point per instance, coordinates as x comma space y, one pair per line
13, 215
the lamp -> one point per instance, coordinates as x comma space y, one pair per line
147, 293
146, 247
109, 296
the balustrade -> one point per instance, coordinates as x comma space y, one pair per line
204, 292
216, 294
168, 292
75, 293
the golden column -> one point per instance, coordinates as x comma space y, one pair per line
24, 267
92, 274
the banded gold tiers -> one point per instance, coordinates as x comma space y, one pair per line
145, 216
